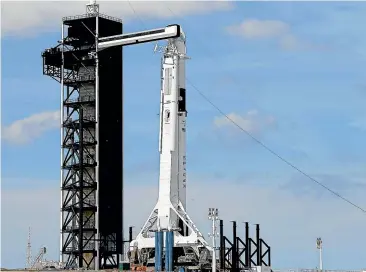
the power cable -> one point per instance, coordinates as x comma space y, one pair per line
137, 16
260, 142
271, 151
265, 146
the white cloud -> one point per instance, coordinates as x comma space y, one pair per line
26, 130
252, 29
259, 29
284, 218
33, 17
252, 121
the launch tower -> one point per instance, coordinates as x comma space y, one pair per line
88, 64
91, 140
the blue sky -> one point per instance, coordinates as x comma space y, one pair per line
290, 73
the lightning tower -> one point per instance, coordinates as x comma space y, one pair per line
29, 250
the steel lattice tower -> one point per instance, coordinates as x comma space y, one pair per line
91, 140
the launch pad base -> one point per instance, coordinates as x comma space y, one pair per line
189, 250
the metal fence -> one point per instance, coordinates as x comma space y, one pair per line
314, 270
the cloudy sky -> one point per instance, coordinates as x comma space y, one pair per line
292, 74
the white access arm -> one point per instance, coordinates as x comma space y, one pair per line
171, 31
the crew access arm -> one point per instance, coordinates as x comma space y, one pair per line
168, 32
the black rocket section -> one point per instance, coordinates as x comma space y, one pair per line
182, 100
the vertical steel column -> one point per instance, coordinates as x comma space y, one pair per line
157, 253
122, 124
97, 245
222, 246
247, 252
171, 252
259, 251
159, 235
250, 253
234, 255
169, 243
81, 187
62, 142
167, 249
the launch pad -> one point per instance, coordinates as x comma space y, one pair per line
87, 63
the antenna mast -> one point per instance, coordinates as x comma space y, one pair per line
92, 7
319, 245
29, 250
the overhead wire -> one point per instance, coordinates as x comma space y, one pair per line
263, 145
272, 151
136, 14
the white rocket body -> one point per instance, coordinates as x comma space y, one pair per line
172, 146
169, 212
